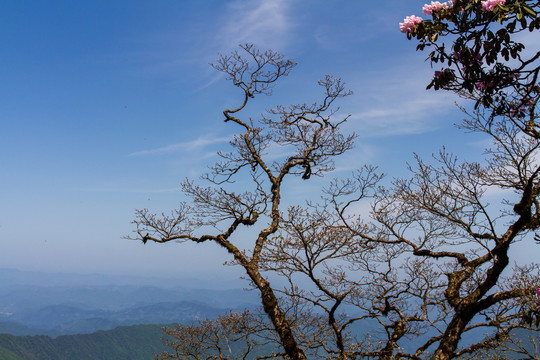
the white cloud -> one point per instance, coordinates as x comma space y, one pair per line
213, 77
404, 116
393, 101
198, 143
262, 22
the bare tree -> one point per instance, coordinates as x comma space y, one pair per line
229, 336
308, 132
431, 263
452, 247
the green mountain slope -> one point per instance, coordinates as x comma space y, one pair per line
8, 355
138, 342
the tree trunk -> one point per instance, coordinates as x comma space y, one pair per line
452, 335
277, 317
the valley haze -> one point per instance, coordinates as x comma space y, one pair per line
58, 303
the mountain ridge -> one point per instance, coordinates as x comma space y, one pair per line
68, 319
137, 342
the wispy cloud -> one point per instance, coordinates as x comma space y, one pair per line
198, 143
262, 22
408, 116
213, 77
394, 101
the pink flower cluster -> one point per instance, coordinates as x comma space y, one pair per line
409, 23
488, 5
435, 6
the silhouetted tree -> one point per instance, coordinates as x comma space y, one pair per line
431, 261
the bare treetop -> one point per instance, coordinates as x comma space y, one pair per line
311, 137
253, 70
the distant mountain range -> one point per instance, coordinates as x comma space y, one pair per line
55, 304
67, 319
40, 313
38, 310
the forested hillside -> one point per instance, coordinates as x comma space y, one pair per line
126, 342
139, 342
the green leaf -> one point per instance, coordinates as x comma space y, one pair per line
513, 53
505, 54
529, 10
523, 23
512, 26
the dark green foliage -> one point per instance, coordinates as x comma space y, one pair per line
483, 53
126, 342
8, 355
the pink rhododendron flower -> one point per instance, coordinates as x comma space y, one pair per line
538, 292
488, 5
434, 7
409, 23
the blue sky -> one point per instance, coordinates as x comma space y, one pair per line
106, 106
